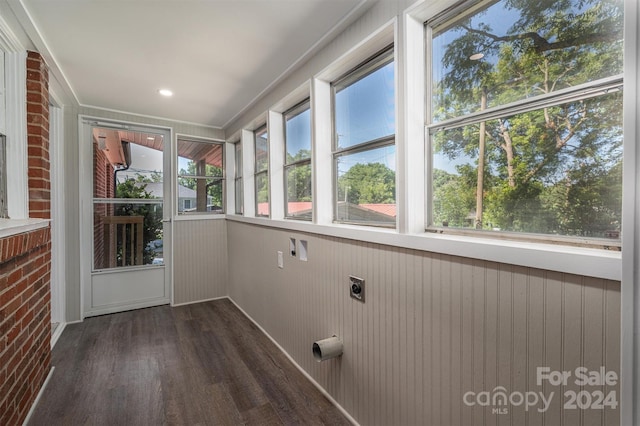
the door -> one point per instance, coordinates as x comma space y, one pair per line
128, 227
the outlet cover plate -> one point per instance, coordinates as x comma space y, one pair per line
356, 288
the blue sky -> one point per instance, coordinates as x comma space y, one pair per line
365, 110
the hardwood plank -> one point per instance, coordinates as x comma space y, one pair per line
188, 365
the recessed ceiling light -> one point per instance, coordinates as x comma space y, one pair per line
476, 56
165, 92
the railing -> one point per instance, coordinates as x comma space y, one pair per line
124, 233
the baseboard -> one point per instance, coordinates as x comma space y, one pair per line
199, 301
304, 373
56, 334
35, 402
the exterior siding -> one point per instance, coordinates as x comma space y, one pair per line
433, 327
200, 260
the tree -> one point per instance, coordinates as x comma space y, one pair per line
530, 156
213, 186
371, 183
299, 177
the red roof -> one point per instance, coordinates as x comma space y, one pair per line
300, 206
385, 209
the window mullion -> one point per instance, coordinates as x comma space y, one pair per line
576, 93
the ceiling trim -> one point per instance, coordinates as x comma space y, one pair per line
152, 117
353, 14
25, 20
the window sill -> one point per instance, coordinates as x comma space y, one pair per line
188, 217
10, 227
564, 259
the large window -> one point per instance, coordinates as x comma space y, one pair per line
261, 144
297, 167
200, 177
239, 192
364, 143
525, 120
3, 158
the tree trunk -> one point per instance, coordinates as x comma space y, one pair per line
481, 146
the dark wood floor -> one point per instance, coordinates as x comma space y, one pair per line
200, 364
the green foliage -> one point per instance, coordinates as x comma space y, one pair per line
368, 184
554, 170
214, 187
299, 177
152, 213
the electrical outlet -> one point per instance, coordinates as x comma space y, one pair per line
356, 288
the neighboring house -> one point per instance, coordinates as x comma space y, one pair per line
186, 196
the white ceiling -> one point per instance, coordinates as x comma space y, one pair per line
216, 56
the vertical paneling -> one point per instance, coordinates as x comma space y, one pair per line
199, 260
433, 327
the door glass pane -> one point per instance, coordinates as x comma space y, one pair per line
127, 234
127, 165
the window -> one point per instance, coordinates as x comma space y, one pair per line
200, 177
3, 178
239, 192
525, 121
364, 143
262, 171
297, 168
3, 150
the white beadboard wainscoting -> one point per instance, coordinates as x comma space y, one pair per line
200, 260
433, 327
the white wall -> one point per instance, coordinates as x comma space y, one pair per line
432, 327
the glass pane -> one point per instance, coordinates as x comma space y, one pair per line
199, 158
365, 110
127, 234
127, 164
262, 150
551, 171
239, 197
238, 158
367, 186
199, 195
262, 194
299, 201
298, 136
508, 51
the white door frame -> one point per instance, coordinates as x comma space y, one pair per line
58, 231
85, 158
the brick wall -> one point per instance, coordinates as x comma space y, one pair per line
25, 321
38, 134
25, 270
103, 188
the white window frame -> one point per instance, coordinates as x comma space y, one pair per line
15, 129
176, 175
352, 77
292, 112
265, 171
238, 184
587, 90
